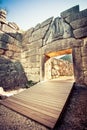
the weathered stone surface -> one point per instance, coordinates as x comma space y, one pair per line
46, 22
13, 47
6, 38
70, 11
31, 52
28, 33
33, 70
3, 12
57, 67
17, 56
79, 77
2, 16
80, 33
33, 77
59, 30
76, 16
3, 45
9, 54
10, 31
77, 64
13, 25
67, 30
1, 51
37, 27
35, 44
85, 77
79, 23
11, 74
18, 36
84, 51
38, 34
60, 45
84, 63
7, 29
34, 58
2, 20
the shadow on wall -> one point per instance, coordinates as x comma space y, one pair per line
12, 75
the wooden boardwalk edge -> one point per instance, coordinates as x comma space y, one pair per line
47, 113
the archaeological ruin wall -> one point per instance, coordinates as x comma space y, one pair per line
49, 38
12, 74
55, 68
24, 55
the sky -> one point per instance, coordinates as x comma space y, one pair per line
28, 13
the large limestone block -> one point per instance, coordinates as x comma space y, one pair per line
84, 51
34, 58
28, 33
79, 77
70, 11
37, 27
77, 64
7, 29
11, 74
67, 32
13, 47
79, 23
84, 63
18, 36
62, 44
10, 31
46, 22
35, 44
35, 70
3, 16
32, 52
2, 20
80, 33
76, 16
9, 54
3, 45
13, 25
17, 56
38, 34
6, 38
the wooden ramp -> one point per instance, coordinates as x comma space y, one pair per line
43, 102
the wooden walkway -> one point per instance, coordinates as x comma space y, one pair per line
43, 102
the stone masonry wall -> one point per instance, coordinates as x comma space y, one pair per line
55, 68
11, 71
31, 48
32, 42
53, 35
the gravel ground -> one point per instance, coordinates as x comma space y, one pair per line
73, 118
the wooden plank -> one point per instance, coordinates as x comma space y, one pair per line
43, 102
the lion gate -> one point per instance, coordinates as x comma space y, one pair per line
27, 52
68, 32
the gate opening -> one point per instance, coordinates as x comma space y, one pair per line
59, 64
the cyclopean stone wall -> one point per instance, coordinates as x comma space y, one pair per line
53, 35
55, 68
32, 48
11, 71
32, 42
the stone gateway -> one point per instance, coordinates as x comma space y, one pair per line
24, 55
